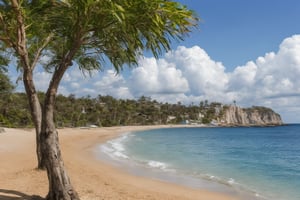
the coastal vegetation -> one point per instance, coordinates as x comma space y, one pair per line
107, 111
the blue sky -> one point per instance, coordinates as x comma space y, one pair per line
243, 51
236, 31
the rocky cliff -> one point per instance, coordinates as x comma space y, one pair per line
255, 116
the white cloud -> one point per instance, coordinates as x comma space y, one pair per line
243, 77
75, 85
278, 73
112, 84
153, 77
272, 80
190, 75
42, 80
204, 75
187, 73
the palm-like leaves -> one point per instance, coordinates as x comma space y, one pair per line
118, 30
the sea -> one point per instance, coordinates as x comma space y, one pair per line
259, 163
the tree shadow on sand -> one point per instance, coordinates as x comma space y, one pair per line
16, 195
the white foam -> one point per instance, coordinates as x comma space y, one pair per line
116, 145
211, 178
115, 148
231, 181
120, 155
157, 164
106, 149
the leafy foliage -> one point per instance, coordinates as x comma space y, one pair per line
260, 109
92, 31
106, 111
117, 31
14, 111
5, 85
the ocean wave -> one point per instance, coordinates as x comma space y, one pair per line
157, 164
232, 183
115, 148
209, 177
213, 152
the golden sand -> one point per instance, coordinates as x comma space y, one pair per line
92, 178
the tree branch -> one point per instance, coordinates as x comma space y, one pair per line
20, 47
63, 66
39, 51
7, 40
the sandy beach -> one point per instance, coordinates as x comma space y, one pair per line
92, 178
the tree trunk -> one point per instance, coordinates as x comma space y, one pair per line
60, 187
37, 118
36, 112
20, 46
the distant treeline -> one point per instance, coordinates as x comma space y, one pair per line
107, 111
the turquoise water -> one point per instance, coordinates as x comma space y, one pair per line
261, 162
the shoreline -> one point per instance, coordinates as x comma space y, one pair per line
92, 178
111, 152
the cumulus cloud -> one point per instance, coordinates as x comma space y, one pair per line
279, 72
191, 75
154, 77
184, 74
242, 78
200, 70
100, 83
272, 80
112, 84
42, 79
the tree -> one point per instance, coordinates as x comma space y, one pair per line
81, 33
6, 88
26, 45
234, 102
5, 84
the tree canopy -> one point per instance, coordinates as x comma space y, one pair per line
92, 31
117, 30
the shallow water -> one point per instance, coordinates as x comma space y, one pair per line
256, 163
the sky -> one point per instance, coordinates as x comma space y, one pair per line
246, 51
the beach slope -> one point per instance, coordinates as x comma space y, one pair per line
92, 178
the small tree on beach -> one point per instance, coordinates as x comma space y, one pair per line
23, 37
61, 34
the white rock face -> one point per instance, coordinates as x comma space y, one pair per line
255, 116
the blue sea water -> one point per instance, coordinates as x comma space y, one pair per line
260, 162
